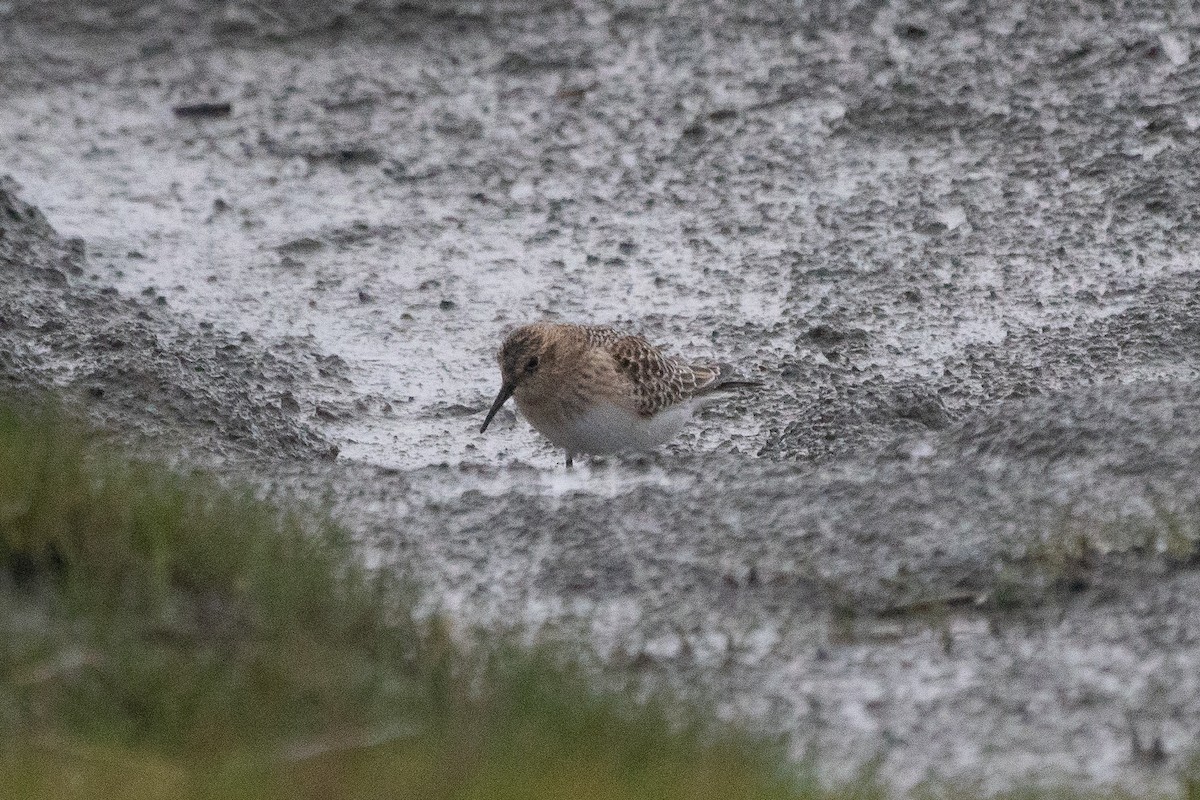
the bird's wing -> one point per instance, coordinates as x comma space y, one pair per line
657, 380
602, 335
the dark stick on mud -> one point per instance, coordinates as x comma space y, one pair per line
203, 110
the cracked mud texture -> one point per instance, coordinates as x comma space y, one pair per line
957, 530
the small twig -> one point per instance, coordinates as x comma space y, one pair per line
203, 110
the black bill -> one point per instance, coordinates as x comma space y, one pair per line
505, 392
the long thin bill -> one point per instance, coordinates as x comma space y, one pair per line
505, 392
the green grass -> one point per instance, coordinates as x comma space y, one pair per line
163, 636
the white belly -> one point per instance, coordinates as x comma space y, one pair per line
607, 428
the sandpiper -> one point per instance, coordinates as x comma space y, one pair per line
589, 389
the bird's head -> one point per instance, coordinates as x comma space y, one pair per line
528, 360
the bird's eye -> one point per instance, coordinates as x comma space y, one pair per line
532, 364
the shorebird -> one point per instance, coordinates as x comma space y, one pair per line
589, 389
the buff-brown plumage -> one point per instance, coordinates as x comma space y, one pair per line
559, 373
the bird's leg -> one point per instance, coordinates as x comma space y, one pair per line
570, 459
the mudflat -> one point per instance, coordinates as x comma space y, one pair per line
957, 529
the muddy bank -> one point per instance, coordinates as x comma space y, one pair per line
956, 530
140, 369
1015, 594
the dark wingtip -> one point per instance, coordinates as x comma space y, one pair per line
738, 384
727, 378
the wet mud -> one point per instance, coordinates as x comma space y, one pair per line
957, 529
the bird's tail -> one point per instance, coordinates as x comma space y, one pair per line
730, 385
726, 379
